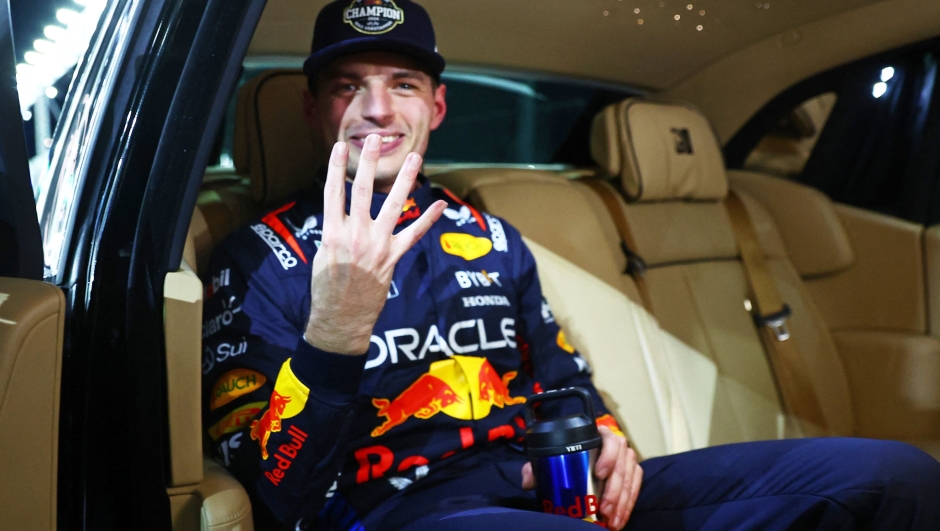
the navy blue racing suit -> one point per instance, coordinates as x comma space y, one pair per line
464, 337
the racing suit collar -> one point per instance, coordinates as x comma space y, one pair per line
417, 202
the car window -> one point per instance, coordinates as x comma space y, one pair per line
785, 149
57, 190
493, 116
863, 133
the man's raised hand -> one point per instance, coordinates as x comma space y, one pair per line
353, 268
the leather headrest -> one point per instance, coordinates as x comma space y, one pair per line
814, 236
660, 151
273, 144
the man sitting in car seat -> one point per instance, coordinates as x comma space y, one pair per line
351, 385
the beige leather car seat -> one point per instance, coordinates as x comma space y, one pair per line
659, 389
569, 219
866, 273
667, 162
695, 278
203, 495
275, 154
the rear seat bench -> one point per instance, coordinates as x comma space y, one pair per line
696, 281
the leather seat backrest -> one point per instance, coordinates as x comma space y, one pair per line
202, 494
274, 146
275, 154
667, 161
559, 214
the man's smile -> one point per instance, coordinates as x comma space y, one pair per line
390, 140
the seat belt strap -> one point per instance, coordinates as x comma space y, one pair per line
636, 267
770, 314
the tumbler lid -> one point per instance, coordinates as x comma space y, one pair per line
573, 433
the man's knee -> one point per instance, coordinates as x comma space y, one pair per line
891, 467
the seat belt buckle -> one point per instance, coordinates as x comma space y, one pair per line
636, 266
776, 322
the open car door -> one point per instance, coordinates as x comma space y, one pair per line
32, 319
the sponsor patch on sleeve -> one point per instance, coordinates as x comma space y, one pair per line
236, 420
497, 233
234, 384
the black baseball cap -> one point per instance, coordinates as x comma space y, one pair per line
351, 26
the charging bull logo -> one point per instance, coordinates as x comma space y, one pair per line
287, 400
462, 387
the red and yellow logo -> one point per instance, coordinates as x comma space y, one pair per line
466, 246
462, 387
608, 420
236, 420
409, 211
287, 400
234, 384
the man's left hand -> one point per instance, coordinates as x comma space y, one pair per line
618, 466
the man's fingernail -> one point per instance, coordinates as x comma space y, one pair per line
414, 160
608, 507
372, 141
339, 148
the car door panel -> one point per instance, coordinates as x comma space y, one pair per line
32, 322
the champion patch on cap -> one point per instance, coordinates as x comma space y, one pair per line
373, 17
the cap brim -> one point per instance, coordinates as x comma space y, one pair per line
317, 61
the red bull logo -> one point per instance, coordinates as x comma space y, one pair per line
423, 399
462, 387
270, 422
495, 390
409, 211
287, 400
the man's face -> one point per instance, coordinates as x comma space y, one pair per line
376, 93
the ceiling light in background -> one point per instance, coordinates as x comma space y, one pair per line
879, 89
887, 73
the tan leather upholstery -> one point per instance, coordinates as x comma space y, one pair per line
32, 323
659, 151
557, 213
932, 274
274, 146
695, 280
275, 154
634, 366
728, 396
182, 324
873, 304
218, 503
884, 289
895, 379
815, 239
203, 495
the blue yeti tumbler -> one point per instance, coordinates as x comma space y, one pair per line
563, 452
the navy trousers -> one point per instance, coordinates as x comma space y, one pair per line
824, 484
